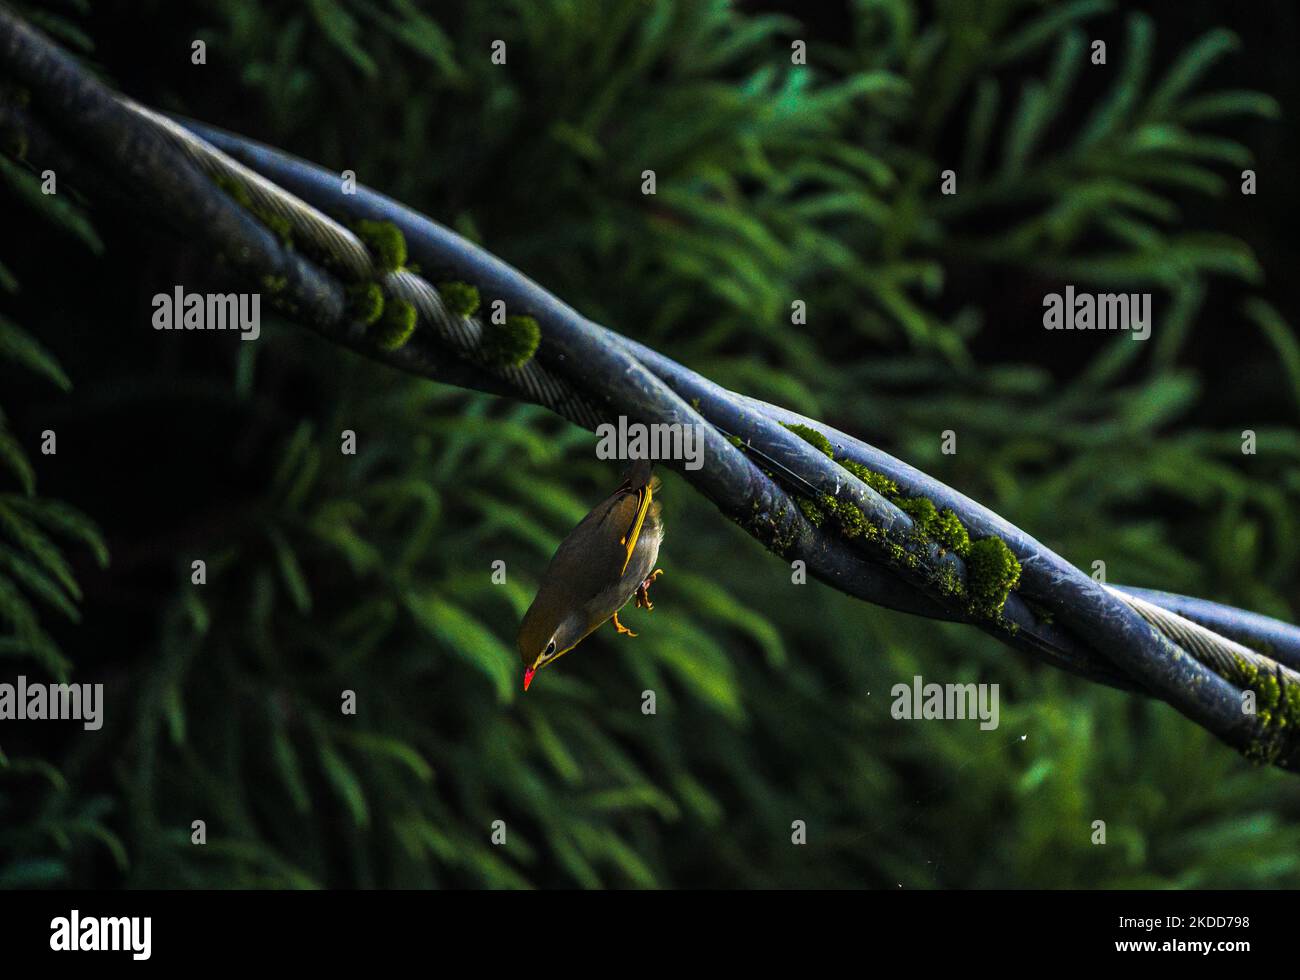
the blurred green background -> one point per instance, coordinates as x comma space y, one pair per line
776, 182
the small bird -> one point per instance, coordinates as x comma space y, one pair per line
603, 563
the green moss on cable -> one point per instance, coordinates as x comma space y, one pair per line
991, 577
385, 241
878, 482
278, 224
992, 571
395, 326
774, 530
459, 297
366, 302
235, 190
513, 343
784, 532
811, 436
948, 581
852, 523
811, 511
950, 533
923, 513
1277, 708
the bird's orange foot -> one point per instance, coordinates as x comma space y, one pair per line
643, 591
620, 627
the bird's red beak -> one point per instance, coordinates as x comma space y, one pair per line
528, 676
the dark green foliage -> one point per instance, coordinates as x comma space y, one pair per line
372, 573
34, 573
47, 824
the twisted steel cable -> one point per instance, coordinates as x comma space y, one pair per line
1221, 654
1227, 657
1190, 653
339, 249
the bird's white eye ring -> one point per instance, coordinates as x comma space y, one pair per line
550, 648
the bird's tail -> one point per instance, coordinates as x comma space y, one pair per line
638, 475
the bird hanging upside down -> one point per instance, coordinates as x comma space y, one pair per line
604, 562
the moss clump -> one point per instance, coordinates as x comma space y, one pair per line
852, 522
275, 284
386, 243
992, 572
459, 297
777, 531
811, 511
1277, 706
736, 441
366, 302
396, 325
878, 482
948, 581
236, 191
923, 513
513, 343
811, 436
277, 224
949, 533
784, 532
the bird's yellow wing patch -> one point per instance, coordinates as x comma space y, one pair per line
644, 495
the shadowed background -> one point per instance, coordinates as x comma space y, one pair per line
775, 183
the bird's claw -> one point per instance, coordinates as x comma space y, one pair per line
643, 591
620, 627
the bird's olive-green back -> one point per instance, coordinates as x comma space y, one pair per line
588, 562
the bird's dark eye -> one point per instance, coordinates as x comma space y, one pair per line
550, 648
